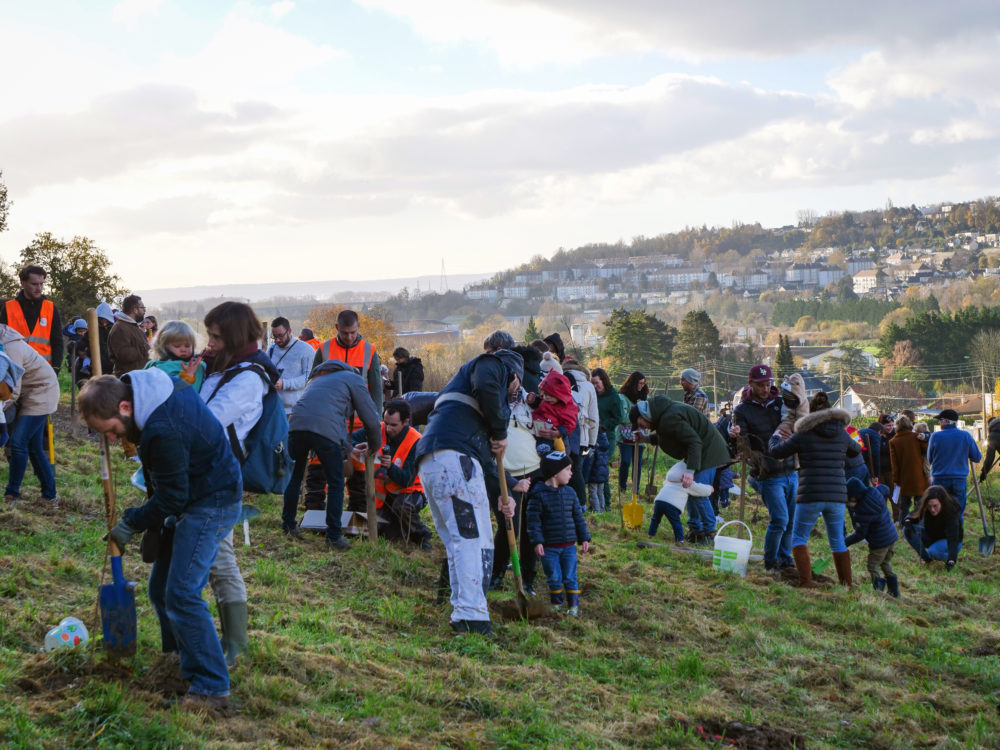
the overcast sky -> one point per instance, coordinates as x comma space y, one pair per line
201, 142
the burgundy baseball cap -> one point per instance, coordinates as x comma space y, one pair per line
760, 373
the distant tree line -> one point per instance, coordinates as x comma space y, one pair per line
940, 338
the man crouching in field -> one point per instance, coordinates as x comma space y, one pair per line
195, 485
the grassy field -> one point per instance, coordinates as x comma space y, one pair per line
349, 650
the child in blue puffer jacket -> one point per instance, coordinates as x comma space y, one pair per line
555, 526
599, 472
873, 522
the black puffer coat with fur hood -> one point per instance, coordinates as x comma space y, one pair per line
822, 444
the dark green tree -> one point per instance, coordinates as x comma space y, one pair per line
78, 273
698, 338
636, 340
4, 204
531, 332
784, 362
851, 364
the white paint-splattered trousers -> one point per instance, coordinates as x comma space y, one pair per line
456, 493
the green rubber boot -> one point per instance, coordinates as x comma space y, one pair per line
234, 617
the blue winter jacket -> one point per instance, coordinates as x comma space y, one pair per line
599, 467
873, 442
949, 451
458, 426
555, 516
872, 521
186, 459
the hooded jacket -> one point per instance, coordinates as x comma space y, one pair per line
128, 345
412, 371
586, 399
37, 392
872, 521
947, 524
822, 444
686, 434
563, 414
532, 367
185, 453
455, 424
334, 393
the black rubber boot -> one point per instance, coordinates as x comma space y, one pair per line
878, 584
892, 582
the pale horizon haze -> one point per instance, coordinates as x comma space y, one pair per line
246, 142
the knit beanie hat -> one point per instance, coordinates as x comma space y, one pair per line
692, 376
306, 334
553, 463
549, 363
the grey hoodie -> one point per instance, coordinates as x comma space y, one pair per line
150, 388
334, 394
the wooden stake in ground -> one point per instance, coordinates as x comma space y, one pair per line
370, 493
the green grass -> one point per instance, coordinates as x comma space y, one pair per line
349, 650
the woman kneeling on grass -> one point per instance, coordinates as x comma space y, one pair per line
934, 529
822, 445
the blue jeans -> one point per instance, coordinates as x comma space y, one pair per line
625, 467
833, 516
701, 516
560, 569
27, 441
662, 508
331, 456
916, 535
176, 581
957, 487
778, 493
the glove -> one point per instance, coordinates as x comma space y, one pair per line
949, 565
122, 534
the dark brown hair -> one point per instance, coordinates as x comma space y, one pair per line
949, 506
819, 402
347, 318
238, 326
601, 374
28, 270
630, 388
100, 397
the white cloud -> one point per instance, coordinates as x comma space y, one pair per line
282, 9
127, 12
530, 32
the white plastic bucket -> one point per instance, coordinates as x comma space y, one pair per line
731, 554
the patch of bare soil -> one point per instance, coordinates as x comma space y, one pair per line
746, 736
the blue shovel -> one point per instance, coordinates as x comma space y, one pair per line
118, 618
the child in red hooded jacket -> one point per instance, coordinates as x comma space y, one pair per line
556, 408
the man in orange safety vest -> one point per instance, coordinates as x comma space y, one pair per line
399, 496
35, 317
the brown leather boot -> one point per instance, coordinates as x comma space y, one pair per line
842, 561
804, 567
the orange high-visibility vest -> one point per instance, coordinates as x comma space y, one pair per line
40, 338
358, 357
314, 343
386, 486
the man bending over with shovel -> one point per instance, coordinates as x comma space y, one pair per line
467, 427
195, 487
